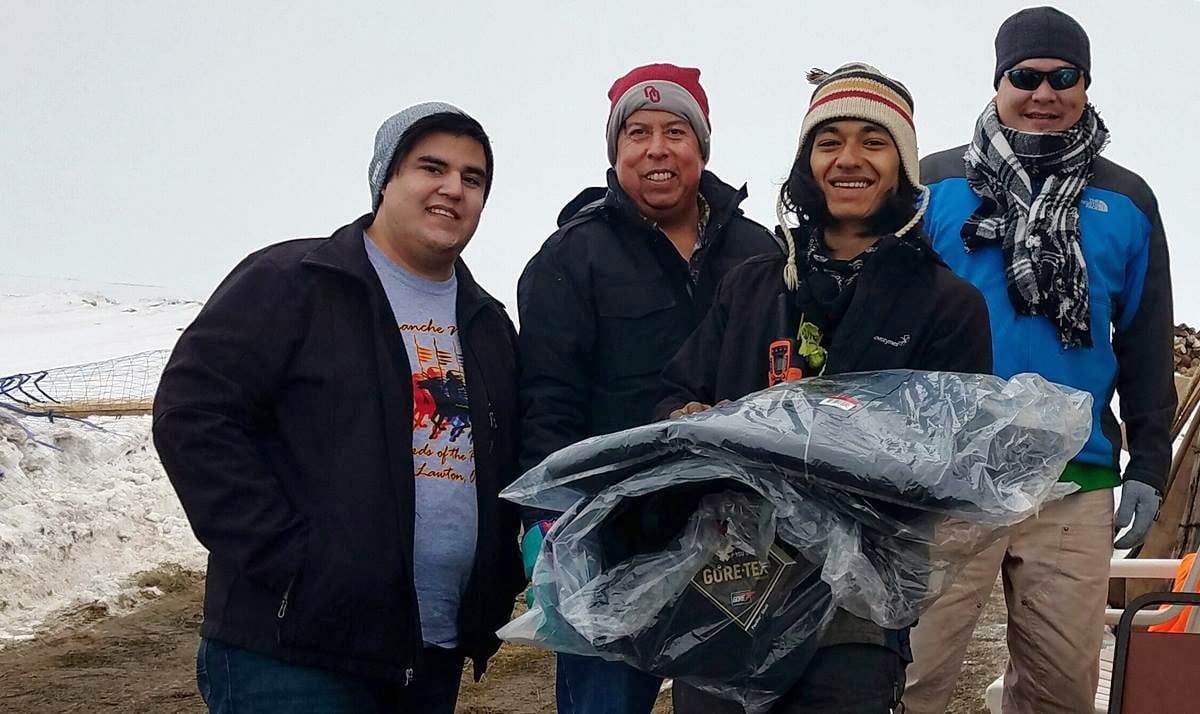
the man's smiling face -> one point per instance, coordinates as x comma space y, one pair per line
1044, 109
432, 203
659, 163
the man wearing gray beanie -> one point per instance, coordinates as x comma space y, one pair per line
338, 422
1069, 252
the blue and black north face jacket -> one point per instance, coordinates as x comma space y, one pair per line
1129, 287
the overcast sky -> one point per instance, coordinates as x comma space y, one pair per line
159, 142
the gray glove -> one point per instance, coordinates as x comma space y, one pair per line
1139, 504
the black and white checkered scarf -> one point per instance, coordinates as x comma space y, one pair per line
1038, 229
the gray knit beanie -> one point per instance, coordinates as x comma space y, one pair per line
661, 87
1042, 32
393, 130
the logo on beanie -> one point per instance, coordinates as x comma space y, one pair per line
652, 94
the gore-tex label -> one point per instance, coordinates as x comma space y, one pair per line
741, 586
841, 401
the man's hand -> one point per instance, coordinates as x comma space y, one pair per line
690, 408
694, 408
1139, 505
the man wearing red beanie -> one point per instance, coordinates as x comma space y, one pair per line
611, 296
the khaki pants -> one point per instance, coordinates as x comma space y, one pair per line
1055, 569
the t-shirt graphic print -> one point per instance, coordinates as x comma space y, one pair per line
439, 403
446, 517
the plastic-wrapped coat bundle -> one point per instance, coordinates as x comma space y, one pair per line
715, 547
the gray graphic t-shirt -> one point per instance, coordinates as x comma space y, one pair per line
443, 451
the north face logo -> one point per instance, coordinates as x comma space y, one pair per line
892, 343
1096, 205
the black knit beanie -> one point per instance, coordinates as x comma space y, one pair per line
1042, 32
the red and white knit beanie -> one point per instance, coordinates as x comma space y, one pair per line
661, 87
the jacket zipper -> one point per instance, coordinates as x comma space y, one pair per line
659, 248
388, 334
472, 594
712, 230
492, 424
284, 602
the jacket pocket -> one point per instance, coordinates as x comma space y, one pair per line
638, 329
631, 300
335, 605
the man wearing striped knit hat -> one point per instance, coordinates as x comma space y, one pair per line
860, 289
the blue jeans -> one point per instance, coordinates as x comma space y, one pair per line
231, 679
591, 685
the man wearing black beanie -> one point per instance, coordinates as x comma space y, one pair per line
1069, 252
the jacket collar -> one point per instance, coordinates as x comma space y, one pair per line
344, 252
723, 200
899, 255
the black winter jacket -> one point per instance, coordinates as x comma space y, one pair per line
605, 303
284, 421
909, 311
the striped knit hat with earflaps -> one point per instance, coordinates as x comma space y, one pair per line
858, 91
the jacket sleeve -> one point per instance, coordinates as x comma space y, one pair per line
962, 340
1145, 365
214, 401
558, 331
691, 375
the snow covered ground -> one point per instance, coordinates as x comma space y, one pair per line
77, 520
46, 323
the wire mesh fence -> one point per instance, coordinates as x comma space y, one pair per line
115, 387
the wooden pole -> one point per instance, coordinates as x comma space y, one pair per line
1189, 534
1188, 443
1186, 406
83, 410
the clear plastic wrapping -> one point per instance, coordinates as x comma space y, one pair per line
717, 548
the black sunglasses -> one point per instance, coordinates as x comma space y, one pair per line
1028, 80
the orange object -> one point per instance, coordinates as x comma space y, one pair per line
783, 362
1179, 622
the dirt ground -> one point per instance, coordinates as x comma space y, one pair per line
145, 662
